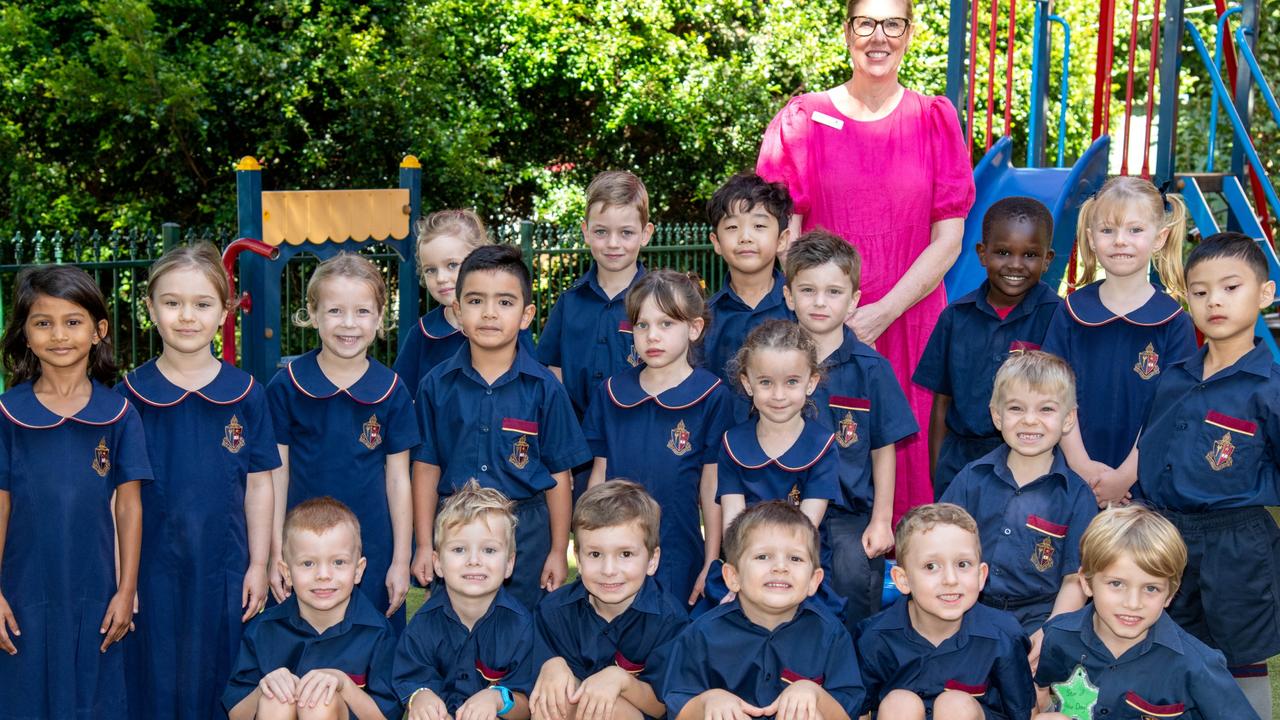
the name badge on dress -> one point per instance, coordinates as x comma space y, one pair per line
824, 119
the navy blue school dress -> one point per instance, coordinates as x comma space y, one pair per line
338, 443
724, 649
362, 647
968, 345
638, 640
1030, 534
195, 546
1117, 360
431, 341
439, 653
588, 337
860, 402
58, 574
663, 442
732, 319
1168, 674
986, 658
511, 436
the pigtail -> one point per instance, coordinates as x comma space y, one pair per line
1088, 261
102, 361
1168, 260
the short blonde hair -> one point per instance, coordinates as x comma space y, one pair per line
1040, 371
348, 265
473, 503
1139, 532
923, 518
1167, 212
773, 515
618, 188
320, 515
619, 502
463, 224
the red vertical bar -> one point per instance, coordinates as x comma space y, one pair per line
1128, 87
991, 67
1102, 68
1008, 72
1151, 91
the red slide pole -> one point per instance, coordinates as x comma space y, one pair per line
1128, 87
1008, 72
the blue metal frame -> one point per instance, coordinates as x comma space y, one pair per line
1213, 100
1246, 51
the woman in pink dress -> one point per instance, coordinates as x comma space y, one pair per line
885, 168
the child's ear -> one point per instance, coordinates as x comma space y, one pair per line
982, 575
784, 242
715, 243
527, 316
1049, 255
653, 561
1267, 294
813, 383
284, 571
360, 566
696, 326
584, 231
731, 579
1069, 423
511, 564
151, 311
996, 419
899, 577
814, 581
435, 564
1084, 585
853, 304
981, 249
786, 295
745, 382
103, 327
646, 235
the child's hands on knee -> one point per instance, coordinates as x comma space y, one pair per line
279, 685
319, 687
426, 705
1033, 657
799, 701
484, 705
598, 694
550, 697
724, 705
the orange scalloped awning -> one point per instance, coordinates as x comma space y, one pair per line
318, 216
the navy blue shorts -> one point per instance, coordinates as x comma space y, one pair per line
533, 543
854, 576
1230, 594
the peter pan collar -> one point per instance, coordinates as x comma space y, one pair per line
373, 387
435, 326
1041, 294
744, 448
1085, 306
22, 407
590, 280
149, 385
626, 392
1257, 361
772, 299
1163, 632
850, 348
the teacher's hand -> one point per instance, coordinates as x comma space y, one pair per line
870, 321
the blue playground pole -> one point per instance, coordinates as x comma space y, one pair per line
410, 179
258, 339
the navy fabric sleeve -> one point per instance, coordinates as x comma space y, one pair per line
1012, 677
414, 664
400, 431
562, 445
426, 451
728, 475
551, 639
719, 418
524, 671
1214, 691
132, 461
1083, 512
278, 401
892, 419
245, 674
1182, 338
1057, 339
934, 371
841, 677
261, 439
593, 423
378, 684
549, 339
1055, 665
957, 493
6, 469
875, 661
409, 358
823, 481
686, 676
655, 666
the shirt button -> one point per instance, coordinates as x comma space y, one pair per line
1168, 467
1007, 531
484, 468
1017, 492
488, 391
603, 341
599, 375
1181, 426
484, 428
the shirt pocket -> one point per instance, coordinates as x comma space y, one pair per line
519, 445
627, 337
1047, 538
850, 419
1137, 707
1227, 444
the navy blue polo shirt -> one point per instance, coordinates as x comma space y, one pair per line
1211, 444
663, 442
1030, 534
511, 435
431, 341
361, 646
1117, 360
439, 653
732, 319
860, 401
1168, 673
588, 337
986, 657
569, 627
724, 650
808, 470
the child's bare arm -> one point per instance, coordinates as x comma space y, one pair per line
712, 525
937, 428
556, 683
426, 495
878, 538
400, 505
599, 472
259, 504
127, 507
559, 510
598, 695
814, 509
8, 623
280, 487
731, 506
716, 704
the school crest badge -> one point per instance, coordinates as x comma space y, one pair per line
519, 456
633, 357
233, 436
1148, 365
1220, 456
371, 433
847, 427
1043, 553
102, 458
847, 431
679, 442
793, 497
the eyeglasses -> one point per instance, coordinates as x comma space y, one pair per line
893, 27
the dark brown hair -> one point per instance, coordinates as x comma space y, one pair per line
64, 282
819, 247
619, 502
776, 514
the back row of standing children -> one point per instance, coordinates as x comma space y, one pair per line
624, 342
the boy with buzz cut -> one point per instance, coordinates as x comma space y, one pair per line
1207, 460
771, 651
493, 413
860, 401
1123, 656
1009, 311
325, 652
937, 652
603, 638
468, 652
587, 337
749, 229
1031, 509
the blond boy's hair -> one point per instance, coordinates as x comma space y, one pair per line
618, 188
1139, 532
320, 515
774, 515
473, 503
619, 502
348, 265
923, 518
1040, 371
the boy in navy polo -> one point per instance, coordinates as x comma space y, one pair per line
325, 652
468, 652
603, 639
749, 229
771, 651
1031, 509
937, 651
860, 401
1009, 311
1207, 459
494, 414
1123, 656
587, 337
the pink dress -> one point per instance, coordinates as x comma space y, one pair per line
880, 185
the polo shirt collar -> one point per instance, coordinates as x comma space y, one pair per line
850, 347
360, 611
22, 407
1257, 361
1085, 306
744, 448
772, 299
998, 461
152, 387
439, 602
625, 391
735, 614
897, 617
1163, 632
434, 325
590, 280
1041, 294
524, 363
373, 387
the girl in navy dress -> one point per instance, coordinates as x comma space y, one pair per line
345, 424
72, 460
1119, 333
660, 424
206, 535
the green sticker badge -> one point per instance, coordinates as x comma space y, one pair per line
1076, 697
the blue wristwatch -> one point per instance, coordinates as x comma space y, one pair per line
508, 702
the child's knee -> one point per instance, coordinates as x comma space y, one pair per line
955, 705
335, 710
901, 705
269, 709
1050, 716
623, 710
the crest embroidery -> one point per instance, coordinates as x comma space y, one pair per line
1220, 456
519, 456
634, 358
793, 497
847, 431
233, 435
102, 458
679, 442
371, 433
1148, 365
1042, 554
